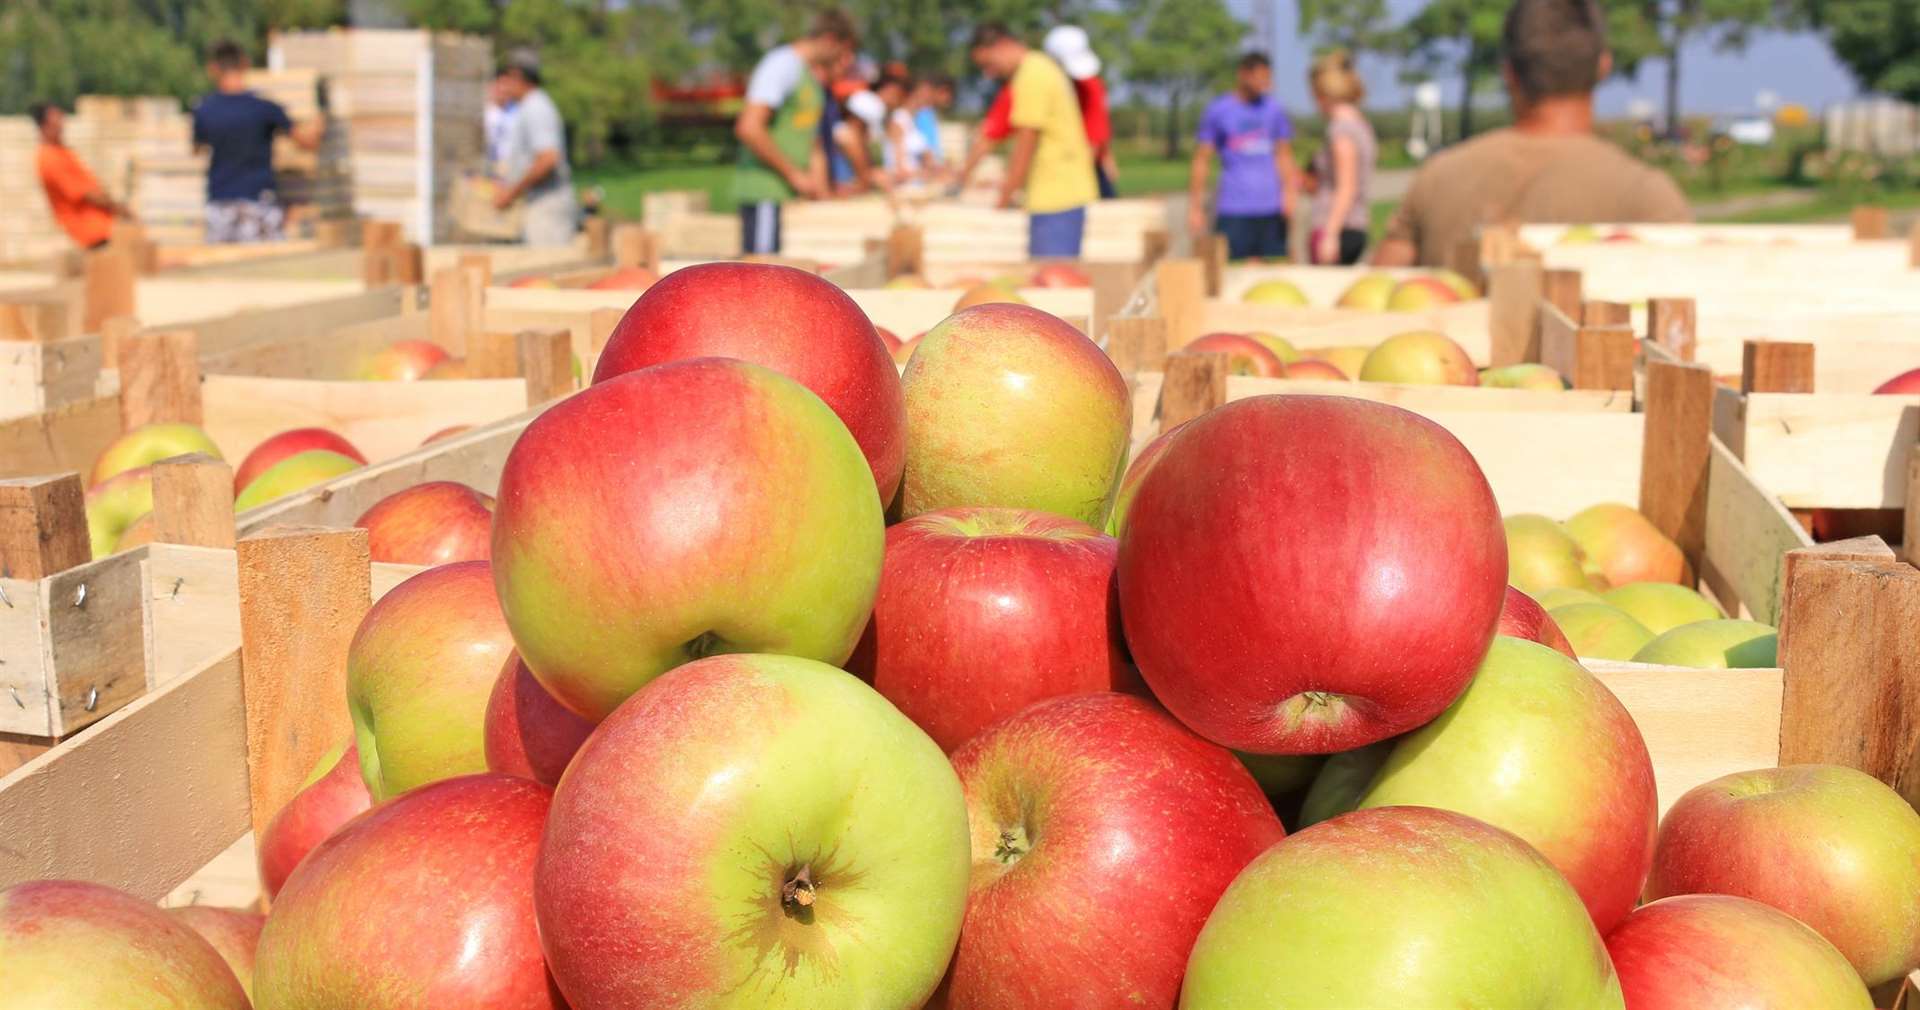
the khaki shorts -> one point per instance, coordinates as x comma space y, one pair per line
552, 218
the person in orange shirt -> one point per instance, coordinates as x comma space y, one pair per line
79, 204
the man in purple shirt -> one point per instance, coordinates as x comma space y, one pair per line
1252, 135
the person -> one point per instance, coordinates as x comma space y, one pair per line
534, 156
1343, 167
1051, 158
495, 120
1070, 47
903, 148
1547, 168
80, 206
932, 95
236, 127
1253, 137
862, 120
783, 153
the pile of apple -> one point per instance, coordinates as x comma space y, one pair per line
1417, 358
1374, 292
707, 731
415, 360
1617, 588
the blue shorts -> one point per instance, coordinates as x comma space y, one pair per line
1253, 235
1056, 234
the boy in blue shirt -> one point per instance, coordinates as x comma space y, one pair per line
236, 127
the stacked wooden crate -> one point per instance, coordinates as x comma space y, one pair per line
27, 231
109, 134
410, 106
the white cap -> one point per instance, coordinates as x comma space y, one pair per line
869, 108
1070, 47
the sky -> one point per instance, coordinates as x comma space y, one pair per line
1796, 67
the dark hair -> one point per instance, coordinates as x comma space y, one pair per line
1554, 46
523, 62
1254, 60
833, 23
894, 75
988, 34
228, 55
937, 79
39, 112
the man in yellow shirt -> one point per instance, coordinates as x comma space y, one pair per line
1051, 157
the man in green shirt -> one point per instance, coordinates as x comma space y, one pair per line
782, 154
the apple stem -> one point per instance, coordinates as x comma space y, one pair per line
797, 892
1012, 845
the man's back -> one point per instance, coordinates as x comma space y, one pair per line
68, 182
533, 126
1507, 175
238, 127
1044, 101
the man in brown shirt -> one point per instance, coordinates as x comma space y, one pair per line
1548, 168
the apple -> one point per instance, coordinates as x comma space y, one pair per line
626, 279
781, 318
888, 338
1419, 293
1623, 235
1523, 376
1833, 847
450, 368
1400, 907
1661, 606
1714, 645
403, 361
1281, 348
1626, 547
1010, 407
984, 611
1457, 283
1245, 355
333, 794
534, 282
1421, 357
419, 672
1539, 747
1275, 292
527, 732
1599, 631
426, 901
1579, 234
1699, 951
114, 505
1521, 617
987, 294
1318, 370
66, 943
1560, 596
907, 282
754, 830
737, 516
446, 433
1541, 555
1136, 472
1282, 774
1282, 578
149, 444
292, 475
1349, 360
1067, 803
290, 443
1369, 293
435, 523
1341, 781
1905, 384
233, 933
143, 531
1061, 275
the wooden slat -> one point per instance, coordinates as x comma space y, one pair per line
453, 310
1181, 286
479, 265
1748, 535
600, 326
1213, 256
1870, 224
1563, 290
1598, 313
303, 591
1195, 384
546, 362
160, 378
635, 246
64, 438
1559, 340
906, 248
1774, 366
193, 501
1675, 453
1515, 291
384, 420
1671, 324
1720, 722
1137, 344
1910, 528
1853, 676
107, 287
43, 526
1603, 357
492, 354
1827, 450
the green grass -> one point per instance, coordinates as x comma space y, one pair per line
1826, 205
624, 182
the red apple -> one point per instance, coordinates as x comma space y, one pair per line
1137, 472
289, 443
1522, 617
985, 611
446, 433
1311, 368
784, 319
232, 932
1245, 355
528, 733
1061, 275
989, 293
1085, 891
737, 515
426, 901
435, 523
404, 361
1714, 952
626, 279
69, 944
1905, 384
1309, 574
889, 338
334, 794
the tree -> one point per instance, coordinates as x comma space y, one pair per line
1727, 23
1178, 49
1878, 40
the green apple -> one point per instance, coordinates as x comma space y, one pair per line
1714, 645
1541, 556
1279, 774
1343, 780
1523, 376
1275, 292
115, 505
1421, 357
1539, 747
1009, 407
1459, 284
1400, 907
149, 444
1580, 234
296, 473
1598, 631
1661, 606
1560, 596
1369, 293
